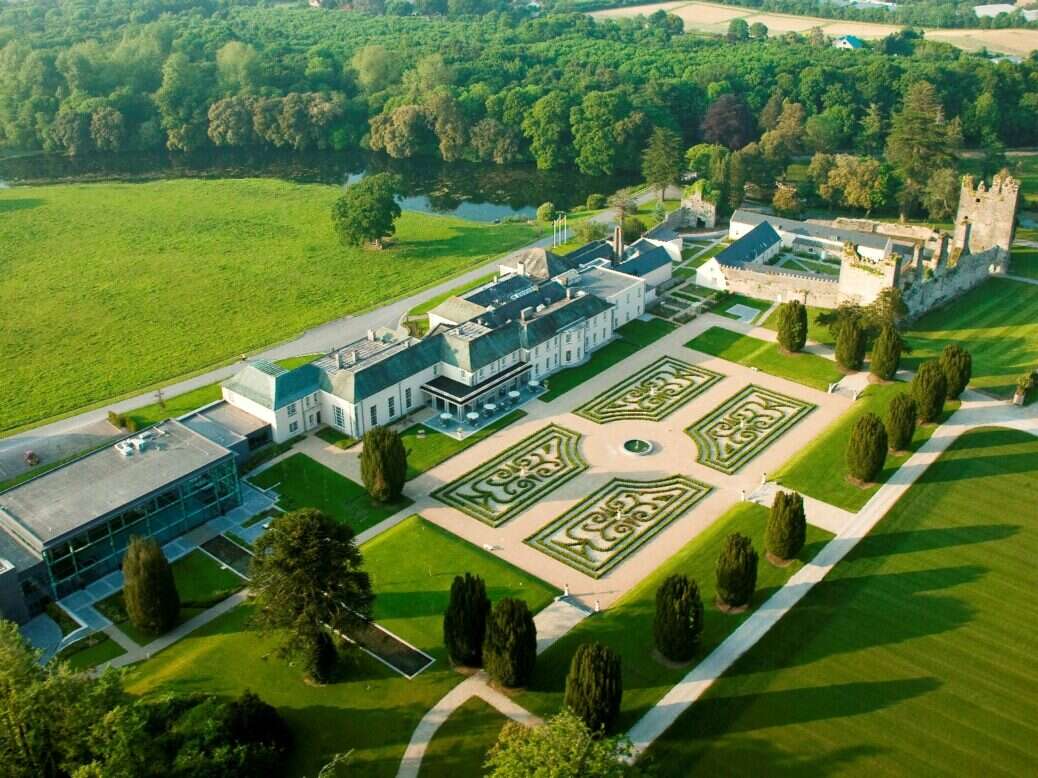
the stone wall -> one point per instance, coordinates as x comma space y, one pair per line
697, 211
862, 280
770, 283
991, 212
952, 280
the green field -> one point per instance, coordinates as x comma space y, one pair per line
112, 288
633, 336
997, 322
820, 469
914, 657
370, 708
432, 448
459, 747
302, 482
626, 626
807, 369
1024, 262
91, 651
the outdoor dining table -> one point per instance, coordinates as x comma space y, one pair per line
446, 418
472, 416
514, 395
489, 407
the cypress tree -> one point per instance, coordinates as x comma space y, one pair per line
383, 464
886, 353
465, 620
900, 422
736, 571
957, 365
792, 326
786, 530
510, 648
929, 389
867, 448
594, 686
679, 618
149, 591
850, 345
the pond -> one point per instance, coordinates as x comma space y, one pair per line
480, 192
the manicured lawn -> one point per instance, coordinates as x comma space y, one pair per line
303, 482
730, 301
424, 453
201, 581
176, 406
808, 369
685, 272
914, 656
460, 745
633, 336
91, 651
168, 278
1024, 262
997, 322
815, 331
336, 438
820, 469
369, 708
627, 625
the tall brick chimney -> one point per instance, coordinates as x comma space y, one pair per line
618, 244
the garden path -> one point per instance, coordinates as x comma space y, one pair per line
977, 410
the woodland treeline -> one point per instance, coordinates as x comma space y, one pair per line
560, 91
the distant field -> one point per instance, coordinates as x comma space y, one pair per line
110, 288
714, 18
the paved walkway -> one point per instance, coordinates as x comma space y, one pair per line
552, 623
977, 411
1021, 279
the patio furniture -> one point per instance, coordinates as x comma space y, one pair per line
472, 416
489, 407
445, 419
513, 395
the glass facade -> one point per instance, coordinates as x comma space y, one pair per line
183, 505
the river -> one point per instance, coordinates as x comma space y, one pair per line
479, 192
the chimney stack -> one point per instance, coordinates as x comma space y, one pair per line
526, 313
618, 244
338, 360
371, 335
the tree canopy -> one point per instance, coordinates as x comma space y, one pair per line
367, 211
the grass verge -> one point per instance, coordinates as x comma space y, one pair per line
460, 745
425, 452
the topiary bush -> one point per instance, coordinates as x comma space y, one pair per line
595, 202
786, 530
792, 326
465, 620
383, 464
867, 448
736, 571
900, 422
679, 618
929, 390
957, 366
149, 590
510, 648
850, 345
886, 353
594, 686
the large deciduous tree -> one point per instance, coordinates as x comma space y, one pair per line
728, 121
929, 390
736, 571
383, 464
308, 577
594, 686
510, 648
867, 448
786, 529
547, 127
465, 620
367, 211
149, 591
679, 618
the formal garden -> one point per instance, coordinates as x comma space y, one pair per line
515, 479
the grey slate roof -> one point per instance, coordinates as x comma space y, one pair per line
604, 282
272, 386
542, 264
457, 310
356, 385
870, 240
645, 262
549, 323
750, 246
596, 249
502, 292
473, 353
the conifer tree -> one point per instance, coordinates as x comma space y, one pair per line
886, 353
900, 422
510, 648
594, 686
736, 571
867, 448
321, 657
786, 530
149, 590
850, 345
679, 618
957, 365
383, 464
792, 325
465, 621
929, 389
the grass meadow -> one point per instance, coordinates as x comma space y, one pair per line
108, 289
913, 657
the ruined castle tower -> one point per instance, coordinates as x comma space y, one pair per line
987, 216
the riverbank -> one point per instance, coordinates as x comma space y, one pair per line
112, 288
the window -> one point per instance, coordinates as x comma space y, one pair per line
340, 419
407, 397
292, 409
569, 336
293, 426
374, 416
568, 357
392, 407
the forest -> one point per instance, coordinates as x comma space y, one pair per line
560, 90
